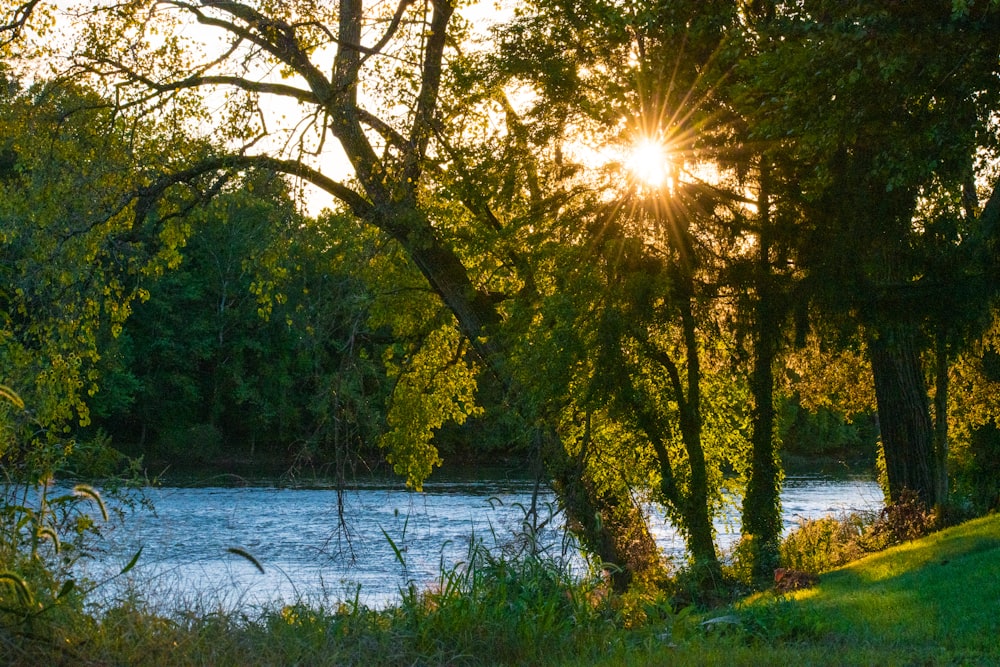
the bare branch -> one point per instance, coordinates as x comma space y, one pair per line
384, 130
358, 205
272, 35
390, 31
346, 124
261, 87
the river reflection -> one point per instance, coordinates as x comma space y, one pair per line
307, 554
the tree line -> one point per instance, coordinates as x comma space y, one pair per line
826, 230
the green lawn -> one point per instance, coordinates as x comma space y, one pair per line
934, 601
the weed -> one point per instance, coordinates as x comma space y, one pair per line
820, 545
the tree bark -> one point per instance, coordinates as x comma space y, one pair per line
904, 412
701, 532
606, 521
941, 418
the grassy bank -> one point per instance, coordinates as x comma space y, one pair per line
931, 601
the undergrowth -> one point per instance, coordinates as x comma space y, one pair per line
820, 545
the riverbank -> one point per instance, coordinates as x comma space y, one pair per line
931, 601
260, 471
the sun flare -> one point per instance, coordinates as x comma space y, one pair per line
648, 161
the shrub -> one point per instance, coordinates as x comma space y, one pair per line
904, 520
819, 545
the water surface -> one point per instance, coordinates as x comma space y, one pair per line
392, 537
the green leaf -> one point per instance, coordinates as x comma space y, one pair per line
132, 562
66, 588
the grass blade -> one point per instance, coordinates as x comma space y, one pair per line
68, 586
131, 563
400, 558
243, 553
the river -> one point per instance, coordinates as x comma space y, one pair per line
392, 537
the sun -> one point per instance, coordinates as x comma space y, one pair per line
648, 160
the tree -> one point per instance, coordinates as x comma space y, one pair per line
379, 100
251, 339
672, 250
71, 253
883, 123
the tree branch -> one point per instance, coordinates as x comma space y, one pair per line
273, 35
358, 205
430, 85
19, 19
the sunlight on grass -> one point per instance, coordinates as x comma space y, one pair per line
937, 592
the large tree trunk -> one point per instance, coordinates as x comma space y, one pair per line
904, 412
761, 515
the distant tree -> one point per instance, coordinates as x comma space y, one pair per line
255, 347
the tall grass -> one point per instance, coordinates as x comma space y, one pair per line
930, 601
487, 610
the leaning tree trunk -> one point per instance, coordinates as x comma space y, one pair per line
904, 412
607, 522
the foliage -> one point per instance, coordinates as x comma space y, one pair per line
819, 545
75, 250
975, 434
256, 347
56, 247
894, 235
823, 165
44, 531
825, 431
427, 394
